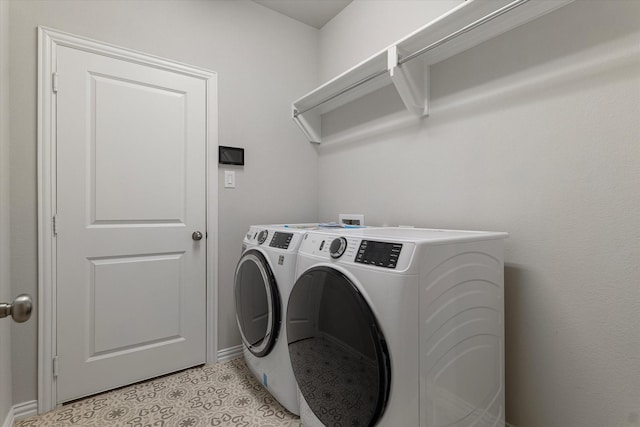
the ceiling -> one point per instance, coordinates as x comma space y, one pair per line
311, 12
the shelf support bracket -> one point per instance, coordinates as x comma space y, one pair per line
310, 124
411, 80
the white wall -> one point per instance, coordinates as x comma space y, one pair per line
263, 60
537, 133
366, 27
6, 395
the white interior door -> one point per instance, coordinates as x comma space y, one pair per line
130, 174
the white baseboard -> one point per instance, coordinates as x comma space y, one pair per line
229, 353
21, 410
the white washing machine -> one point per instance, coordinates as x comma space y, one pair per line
264, 276
399, 327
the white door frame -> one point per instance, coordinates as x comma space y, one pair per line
48, 41
6, 389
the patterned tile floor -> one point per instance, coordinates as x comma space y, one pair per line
224, 394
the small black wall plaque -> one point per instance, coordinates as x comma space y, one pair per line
231, 155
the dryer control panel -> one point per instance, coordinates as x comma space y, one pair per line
281, 240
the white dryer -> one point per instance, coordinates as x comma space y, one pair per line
264, 276
399, 327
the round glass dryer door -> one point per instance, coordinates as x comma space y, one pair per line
257, 303
339, 356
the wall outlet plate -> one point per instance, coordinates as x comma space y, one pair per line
351, 219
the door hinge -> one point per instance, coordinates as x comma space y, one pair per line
54, 223
56, 366
54, 82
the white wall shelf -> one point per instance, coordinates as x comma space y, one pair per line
405, 64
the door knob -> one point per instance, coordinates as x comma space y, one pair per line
196, 235
19, 309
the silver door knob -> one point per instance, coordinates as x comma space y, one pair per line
19, 309
196, 235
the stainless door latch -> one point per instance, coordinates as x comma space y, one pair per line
19, 309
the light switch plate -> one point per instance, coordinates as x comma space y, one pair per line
229, 179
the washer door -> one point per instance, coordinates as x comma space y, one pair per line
337, 350
257, 303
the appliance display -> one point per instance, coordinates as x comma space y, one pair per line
382, 254
281, 240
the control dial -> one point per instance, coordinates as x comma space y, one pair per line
262, 236
337, 248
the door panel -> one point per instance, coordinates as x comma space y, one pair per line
153, 278
148, 183
130, 191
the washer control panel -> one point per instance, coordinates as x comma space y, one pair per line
342, 247
381, 254
347, 249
